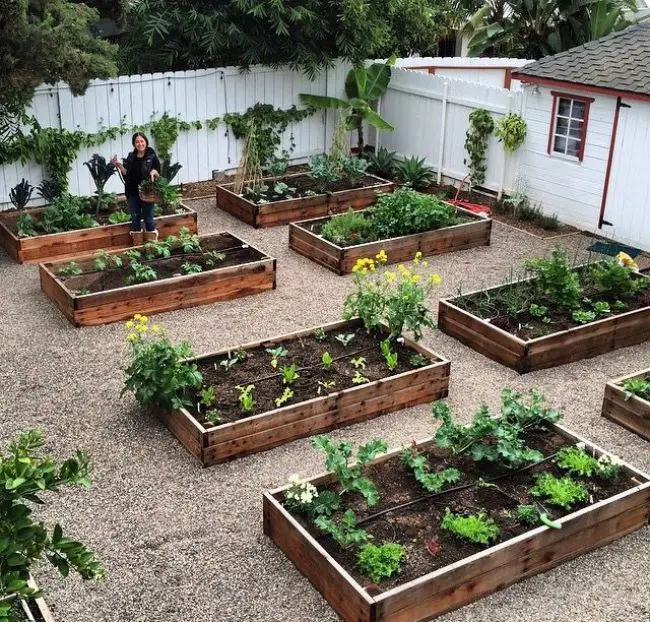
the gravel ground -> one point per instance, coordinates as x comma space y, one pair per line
182, 543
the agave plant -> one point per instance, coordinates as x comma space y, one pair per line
415, 173
384, 163
363, 86
50, 190
20, 194
101, 172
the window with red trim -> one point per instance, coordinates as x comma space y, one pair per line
568, 131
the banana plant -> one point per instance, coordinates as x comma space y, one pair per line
101, 172
363, 86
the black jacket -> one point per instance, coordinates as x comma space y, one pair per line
138, 169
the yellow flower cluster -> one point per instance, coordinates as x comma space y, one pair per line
140, 325
381, 257
363, 266
366, 265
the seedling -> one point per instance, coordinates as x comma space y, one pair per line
389, 356
417, 360
345, 532
477, 528
579, 463
537, 310
563, 492
208, 396
602, 308
191, 268
344, 339
105, 261
359, 362
213, 416
141, 273
276, 354
380, 562
245, 397
359, 379
290, 374
81, 292
212, 258
157, 249
583, 317
325, 385
229, 363
431, 482
70, 269
320, 335
326, 360
284, 398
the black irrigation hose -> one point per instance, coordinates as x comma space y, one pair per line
455, 489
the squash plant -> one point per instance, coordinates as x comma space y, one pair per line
363, 86
25, 474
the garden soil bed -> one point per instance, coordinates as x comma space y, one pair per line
632, 413
100, 297
308, 412
341, 198
304, 238
504, 339
441, 573
38, 609
54, 246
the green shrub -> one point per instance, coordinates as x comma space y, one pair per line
406, 211
348, 229
413, 172
66, 213
638, 387
615, 281
557, 281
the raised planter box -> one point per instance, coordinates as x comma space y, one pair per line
341, 260
254, 276
282, 425
469, 579
283, 212
68, 244
632, 413
566, 346
38, 607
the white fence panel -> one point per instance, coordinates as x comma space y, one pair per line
431, 116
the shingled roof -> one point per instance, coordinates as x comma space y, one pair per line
620, 61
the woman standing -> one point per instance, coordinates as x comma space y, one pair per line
141, 164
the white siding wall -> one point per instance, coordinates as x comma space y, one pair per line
569, 188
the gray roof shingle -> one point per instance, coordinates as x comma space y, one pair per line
619, 61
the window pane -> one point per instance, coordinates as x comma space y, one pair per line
562, 126
573, 148
564, 107
578, 111
559, 144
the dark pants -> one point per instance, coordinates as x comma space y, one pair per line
139, 210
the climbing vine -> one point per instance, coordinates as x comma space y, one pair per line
511, 131
481, 125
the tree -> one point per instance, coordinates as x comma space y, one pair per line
537, 28
363, 86
44, 41
165, 35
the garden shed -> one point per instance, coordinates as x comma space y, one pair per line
588, 114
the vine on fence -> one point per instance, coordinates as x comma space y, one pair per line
481, 125
511, 130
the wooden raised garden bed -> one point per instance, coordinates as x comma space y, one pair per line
304, 238
557, 348
53, 246
477, 571
100, 297
310, 412
631, 412
283, 212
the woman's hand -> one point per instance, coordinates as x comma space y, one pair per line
154, 173
116, 162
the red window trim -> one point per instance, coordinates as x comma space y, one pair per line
551, 130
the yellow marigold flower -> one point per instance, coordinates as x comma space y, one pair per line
130, 324
155, 328
435, 279
137, 316
132, 337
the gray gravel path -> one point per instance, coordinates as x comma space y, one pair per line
183, 543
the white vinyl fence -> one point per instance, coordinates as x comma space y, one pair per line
430, 115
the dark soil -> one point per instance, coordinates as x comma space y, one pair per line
306, 183
19, 614
417, 527
236, 253
198, 189
526, 326
306, 353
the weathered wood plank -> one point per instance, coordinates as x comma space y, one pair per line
632, 413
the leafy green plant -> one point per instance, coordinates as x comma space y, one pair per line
583, 317
344, 338
359, 378
359, 362
481, 125
25, 475
637, 386
325, 171
528, 515
602, 308
380, 562
229, 363
208, 396
119, 217
417, 360
101, 171
350, 477
25, 226
384, 163
363, 85
158, 373
140, 273
496, 439
191, 268
326, 360
325, 385
389, 355
614, 281
65, 213
537, 310
556, 280
320, 335
348, 229
414, 173
106, 261
155, 248
213, 416
431, 482
20, 194
245, 397
276, 355
579, 463
345, 531
212, 258
563, 492
70, 269
290, 373
511, 130
477, 528
284, 398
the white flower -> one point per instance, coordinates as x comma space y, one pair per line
581, 445
294, 479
